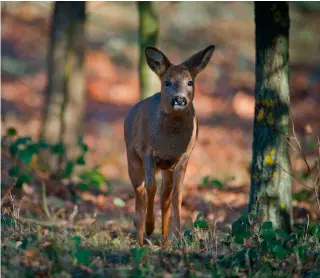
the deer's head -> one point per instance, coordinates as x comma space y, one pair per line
177, 81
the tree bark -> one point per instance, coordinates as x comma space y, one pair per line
55, 91
148, 36
270, 196
75, 100
65, 96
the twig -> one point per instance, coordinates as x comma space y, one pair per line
225, 202
295, 177
74, 213
316, 191
298, 142
315, 184
7, 193
45, 203
58, 224
60, 211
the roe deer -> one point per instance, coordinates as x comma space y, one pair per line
160, 133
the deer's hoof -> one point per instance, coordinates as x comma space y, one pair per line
149, 228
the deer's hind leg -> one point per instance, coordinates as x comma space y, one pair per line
136, 174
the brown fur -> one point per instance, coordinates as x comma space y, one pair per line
161, 137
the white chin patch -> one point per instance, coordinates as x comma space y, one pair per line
179, 107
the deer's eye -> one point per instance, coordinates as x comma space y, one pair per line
190, 83
167, 83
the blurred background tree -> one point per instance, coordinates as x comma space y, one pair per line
270, 197
65, 95
148, 36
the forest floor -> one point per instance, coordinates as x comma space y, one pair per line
94, 234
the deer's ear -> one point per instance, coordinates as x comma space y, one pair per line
157, 61
200, 60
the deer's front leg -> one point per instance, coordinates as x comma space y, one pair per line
166, 196
136, 175
178, 177
141, 206
151, 188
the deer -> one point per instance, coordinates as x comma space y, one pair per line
160, 133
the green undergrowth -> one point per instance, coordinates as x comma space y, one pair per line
32, 250
24, 154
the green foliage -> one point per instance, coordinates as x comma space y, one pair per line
138, 254
275, 243
241, 229
269, 245
83, 187
76, 241
242, 251
312, 144
211, 182
188, 236
68, 169
58, 148
81, 161
119, 202
18, 144
24, 150
270, 253
267, 225
200, 222
26, 156
83, 146
92, 179
11, 131
14, 171
302, 195
24, 178
82, 256
314, 229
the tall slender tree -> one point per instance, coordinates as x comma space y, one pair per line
55, 91
75, 94
148, 36
65, 95
270, 196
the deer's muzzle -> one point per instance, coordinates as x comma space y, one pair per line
179, 103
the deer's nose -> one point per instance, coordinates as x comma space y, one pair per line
177, 100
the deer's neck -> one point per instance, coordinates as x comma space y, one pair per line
174, 123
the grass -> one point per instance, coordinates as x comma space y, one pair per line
59, 248
31, 249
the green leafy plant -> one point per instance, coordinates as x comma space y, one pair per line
211, 182
138, 254
303, 194
241, 229
200, 222
188, 237
119, 202
81, 254
24, 149
91, 179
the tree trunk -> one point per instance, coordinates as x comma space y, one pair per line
55, 91
148, 36
73, 117
65, 102
270, 196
